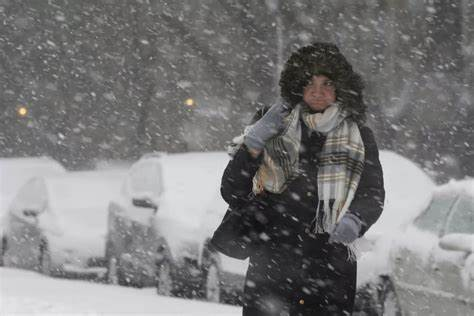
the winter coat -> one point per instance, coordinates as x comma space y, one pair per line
287, 264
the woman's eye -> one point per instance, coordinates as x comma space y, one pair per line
329, 84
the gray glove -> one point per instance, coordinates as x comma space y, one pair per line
267, 127
347, 229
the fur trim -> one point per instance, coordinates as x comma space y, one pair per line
323, 59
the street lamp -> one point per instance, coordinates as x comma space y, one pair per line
22, 111
190, 102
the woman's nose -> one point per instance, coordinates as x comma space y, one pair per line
316, 91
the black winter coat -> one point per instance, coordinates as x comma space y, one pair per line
288, 265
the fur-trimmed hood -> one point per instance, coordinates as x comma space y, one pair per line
323, 59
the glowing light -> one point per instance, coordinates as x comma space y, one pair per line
190, 102
22, 111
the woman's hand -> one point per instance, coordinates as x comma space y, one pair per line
270, 125
347, 229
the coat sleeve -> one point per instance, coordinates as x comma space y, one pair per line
236, 184
369, 198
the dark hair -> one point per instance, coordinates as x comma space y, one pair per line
323, 59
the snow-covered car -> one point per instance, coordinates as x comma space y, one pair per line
57, 224
420, 260
160, 225
14, 172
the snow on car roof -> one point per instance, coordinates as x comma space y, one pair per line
465, 186
86, 191
408, 190
14, 172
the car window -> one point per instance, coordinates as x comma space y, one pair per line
434, 217
461, 220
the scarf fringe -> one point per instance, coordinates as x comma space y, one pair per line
329, 216
352, 252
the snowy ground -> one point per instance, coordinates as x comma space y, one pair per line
26, 292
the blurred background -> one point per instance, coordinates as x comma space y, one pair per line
98, 80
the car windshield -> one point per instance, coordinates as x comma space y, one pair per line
434, 216
461, 220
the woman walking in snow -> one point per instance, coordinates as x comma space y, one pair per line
306, 182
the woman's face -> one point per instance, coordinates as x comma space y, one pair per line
319, 93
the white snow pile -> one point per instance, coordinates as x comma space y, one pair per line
26, 292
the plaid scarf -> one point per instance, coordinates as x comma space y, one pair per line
340, 165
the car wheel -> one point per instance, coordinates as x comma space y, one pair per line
164, 278
3, 250
44, 259
112, 271
212, 286
388, 303
378, 299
